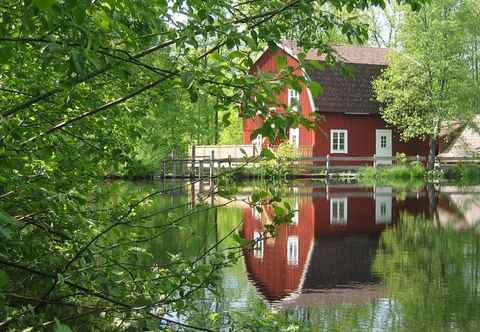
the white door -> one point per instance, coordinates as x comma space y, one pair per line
295, 137
383, 205
383, 139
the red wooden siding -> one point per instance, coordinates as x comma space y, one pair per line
275, 277
361, 136
267, 63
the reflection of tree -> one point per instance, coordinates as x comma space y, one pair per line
432, 274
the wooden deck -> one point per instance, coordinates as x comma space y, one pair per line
208, 161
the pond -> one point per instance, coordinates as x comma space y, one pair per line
353, 258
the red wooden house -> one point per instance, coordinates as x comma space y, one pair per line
352, 124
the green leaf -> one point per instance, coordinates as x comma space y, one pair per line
316, 89
44, 4
281, 61
225, 119
267, 154
193, 95
5, 221
317, 65
4, 279
62, 327
240, 240
5, 232
6, 53
5, 218
187, 80
235, 54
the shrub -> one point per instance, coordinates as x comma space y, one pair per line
398, 175
464, 173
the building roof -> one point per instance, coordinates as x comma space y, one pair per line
353, 94
459, 140
345, 94
345, 53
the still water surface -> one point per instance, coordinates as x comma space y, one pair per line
353, 259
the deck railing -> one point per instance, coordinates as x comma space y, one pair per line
209, 161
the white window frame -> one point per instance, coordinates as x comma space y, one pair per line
336, 220
255, 214
293, 94
257, 142
292, 250
294, 132
383, 199
258, 247
345, 145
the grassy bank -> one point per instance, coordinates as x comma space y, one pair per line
406, 175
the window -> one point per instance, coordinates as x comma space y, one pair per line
383, 205
383, 209
338, 141
294, 137
293, 100
258, 143
256, 214
292, 250
383, 141
258, 246
338, 211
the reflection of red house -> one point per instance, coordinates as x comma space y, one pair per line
329, 250
352, 125
277, 264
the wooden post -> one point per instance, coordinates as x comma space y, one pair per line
374, 160
327, 163
212, 163
200, 169
229, 163
174, 165
418, 159
164, 169
182, 168
192, 169
192, 188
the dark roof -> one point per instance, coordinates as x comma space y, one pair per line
346, 94
341, 94
341, 262
345, 53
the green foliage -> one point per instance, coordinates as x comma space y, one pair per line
430, 81
464, 174
232, 132
430, 272
278, 166
400, 175
94, 88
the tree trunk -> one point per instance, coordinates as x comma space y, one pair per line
433, 202
216, 127
433, 152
